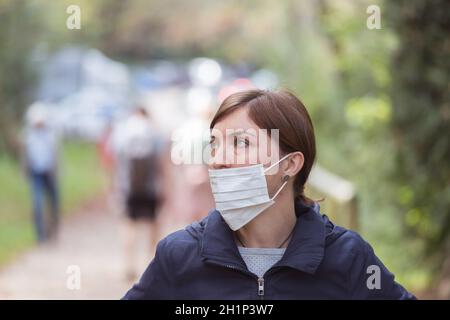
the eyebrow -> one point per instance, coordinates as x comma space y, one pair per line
237, 132
241, 131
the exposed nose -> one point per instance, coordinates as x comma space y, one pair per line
220, 166
220, 160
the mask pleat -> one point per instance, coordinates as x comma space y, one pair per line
238, 184
238, 195
248, 202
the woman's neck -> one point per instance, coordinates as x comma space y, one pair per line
272, 226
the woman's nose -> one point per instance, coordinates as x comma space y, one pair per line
220, 166
220, 160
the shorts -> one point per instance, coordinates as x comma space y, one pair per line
142, 206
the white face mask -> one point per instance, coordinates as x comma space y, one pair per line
241, 193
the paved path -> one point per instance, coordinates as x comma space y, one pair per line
90, 239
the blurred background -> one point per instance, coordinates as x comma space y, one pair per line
72, 100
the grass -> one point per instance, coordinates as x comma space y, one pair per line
81, 179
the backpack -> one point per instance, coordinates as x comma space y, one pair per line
142, 166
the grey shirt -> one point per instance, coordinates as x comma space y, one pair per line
259, 260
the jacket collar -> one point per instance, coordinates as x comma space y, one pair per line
304, 252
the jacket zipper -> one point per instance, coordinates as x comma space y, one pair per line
261, 288
260, 281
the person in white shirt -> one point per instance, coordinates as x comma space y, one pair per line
41, 153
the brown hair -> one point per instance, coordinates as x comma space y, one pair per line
278, 110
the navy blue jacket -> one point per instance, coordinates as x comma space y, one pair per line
322, 261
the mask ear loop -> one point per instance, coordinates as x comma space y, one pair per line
285, 179
265, 170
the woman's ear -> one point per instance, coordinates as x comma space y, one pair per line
295, 163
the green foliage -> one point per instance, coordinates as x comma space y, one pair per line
421, 119
18, 25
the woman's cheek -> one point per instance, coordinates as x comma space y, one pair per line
272, 184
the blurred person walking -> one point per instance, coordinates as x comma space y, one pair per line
138, 148
193, 197
105, 154
41, 164
107, 161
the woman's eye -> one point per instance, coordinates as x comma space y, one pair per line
240, 142
213, 144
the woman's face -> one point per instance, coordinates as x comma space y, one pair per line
236, 141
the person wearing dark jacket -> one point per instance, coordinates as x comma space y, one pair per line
265, 239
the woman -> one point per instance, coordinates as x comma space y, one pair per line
266, 239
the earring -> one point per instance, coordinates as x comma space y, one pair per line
285, 178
